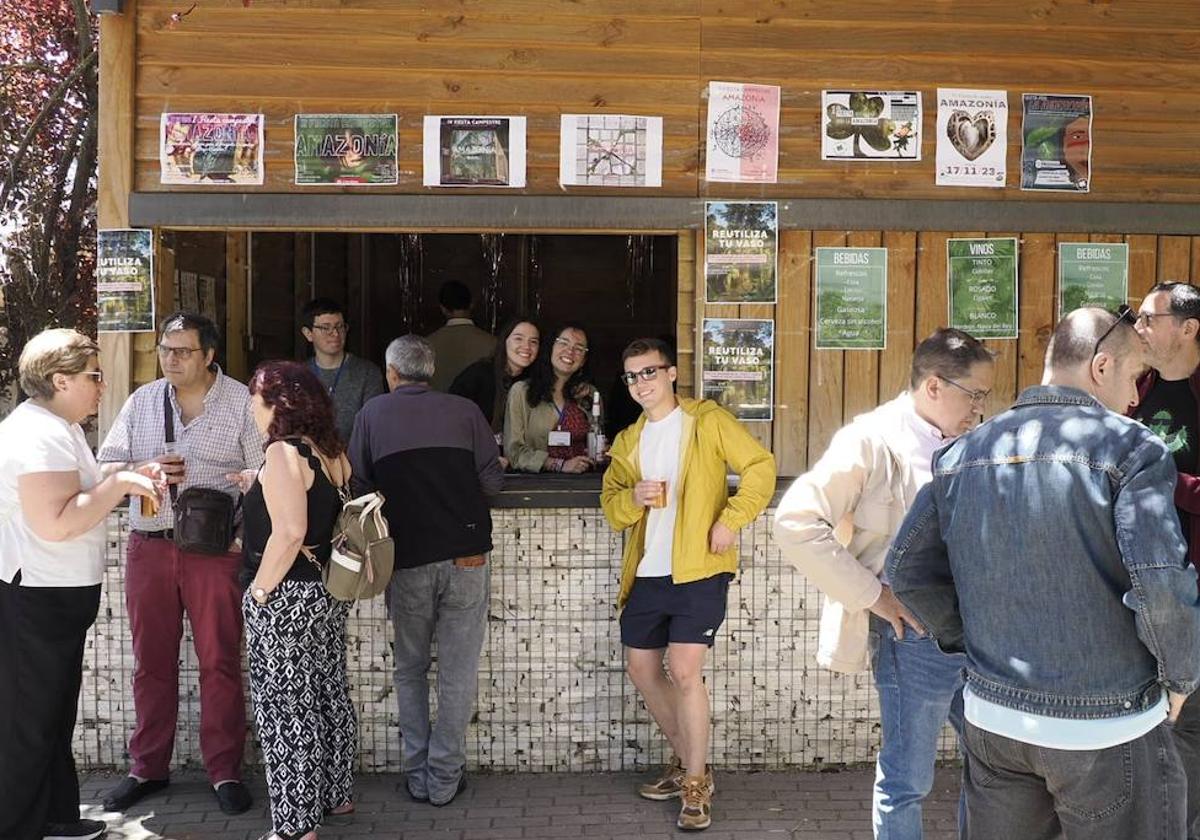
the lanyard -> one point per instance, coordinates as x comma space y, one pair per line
336, 376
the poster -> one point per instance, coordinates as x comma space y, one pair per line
1056, 142
474, 151
982, 276
739, 365
851, 307
870, 125
125, 280
743, 133
610, 150
972, 138
349, 149
1092, 274
202, 149
741, 253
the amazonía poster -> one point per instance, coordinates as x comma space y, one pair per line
474, 151
743, 133
972, 138
870, 125
350, 149
741, 252
200, 149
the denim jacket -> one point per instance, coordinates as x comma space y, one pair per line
1047, 548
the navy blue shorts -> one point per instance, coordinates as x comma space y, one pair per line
660, 612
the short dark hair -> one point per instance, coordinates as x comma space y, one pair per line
947, 354
320, 306
453, 295
210, 337
1074, 339
641, 346
1184, 300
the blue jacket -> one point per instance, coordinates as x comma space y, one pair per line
1047, 548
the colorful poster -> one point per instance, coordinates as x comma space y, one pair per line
201, 149
982, 275
351, 149
738, 366
851, 310
743, 133
741, 254
972, 138
1056, 142
870, 125
474, 152
1092, 274
610, 150
125, 280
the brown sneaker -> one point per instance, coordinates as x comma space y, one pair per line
667, 785
696, 813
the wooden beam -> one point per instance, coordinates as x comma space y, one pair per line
236, 267
115, 160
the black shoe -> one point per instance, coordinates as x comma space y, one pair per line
462, 785
131, 791
81, 830
234, 798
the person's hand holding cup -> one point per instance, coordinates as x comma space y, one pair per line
171, 462
651, 493
150, 483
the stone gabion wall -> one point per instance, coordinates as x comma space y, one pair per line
553, 696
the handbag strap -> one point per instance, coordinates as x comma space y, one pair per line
169, 431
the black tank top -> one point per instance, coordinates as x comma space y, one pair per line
324, 505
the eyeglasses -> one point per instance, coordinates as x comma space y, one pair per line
978, 398
1146, 319
331, 329
98, 375
630, 377
180, 353
1124, 313
575, 348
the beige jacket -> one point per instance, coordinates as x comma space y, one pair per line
837, 521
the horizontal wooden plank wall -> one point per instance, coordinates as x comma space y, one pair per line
817, 391
542, 58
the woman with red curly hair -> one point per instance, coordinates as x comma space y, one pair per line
295, 630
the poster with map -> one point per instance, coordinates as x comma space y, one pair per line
610, 150
743, 133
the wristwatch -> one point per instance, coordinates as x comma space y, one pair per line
259, 594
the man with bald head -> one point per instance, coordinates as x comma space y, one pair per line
1046, 548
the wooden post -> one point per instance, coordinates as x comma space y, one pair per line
115, 159
685, 313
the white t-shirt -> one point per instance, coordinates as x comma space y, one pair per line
36, 440
658, 455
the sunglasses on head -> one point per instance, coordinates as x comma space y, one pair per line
1125, 314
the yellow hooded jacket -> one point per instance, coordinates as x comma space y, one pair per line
712, 438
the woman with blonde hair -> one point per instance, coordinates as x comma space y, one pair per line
54, 499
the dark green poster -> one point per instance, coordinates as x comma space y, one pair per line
740, 251
1092, 274
851, 298
982, 275
125, 280
738, 358
346, 149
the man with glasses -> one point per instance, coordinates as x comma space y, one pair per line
1044, 550
835, 524
351, 380
1169, 404
216, 445
667, 486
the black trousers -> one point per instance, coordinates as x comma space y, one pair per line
42, 634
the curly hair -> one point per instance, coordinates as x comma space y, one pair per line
541, 373
302, 405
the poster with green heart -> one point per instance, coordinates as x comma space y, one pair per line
851, 298
1092, 274
982, 275
972, 138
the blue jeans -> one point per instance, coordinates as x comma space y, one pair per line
920, 688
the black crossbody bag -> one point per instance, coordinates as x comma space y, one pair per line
204, 517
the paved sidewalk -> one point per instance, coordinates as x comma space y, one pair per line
748, 806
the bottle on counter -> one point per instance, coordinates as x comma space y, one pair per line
597, 445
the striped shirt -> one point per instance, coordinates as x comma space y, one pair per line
223, 439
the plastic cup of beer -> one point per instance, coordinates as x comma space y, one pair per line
149, 506
659, 499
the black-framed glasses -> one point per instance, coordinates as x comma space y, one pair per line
1124, 313
646, 374
978, 398
181, 353
331, 329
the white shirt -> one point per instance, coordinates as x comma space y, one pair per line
1061, 733
36, 440
658, 456
915, 442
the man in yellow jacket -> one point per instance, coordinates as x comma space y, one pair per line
667, 485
